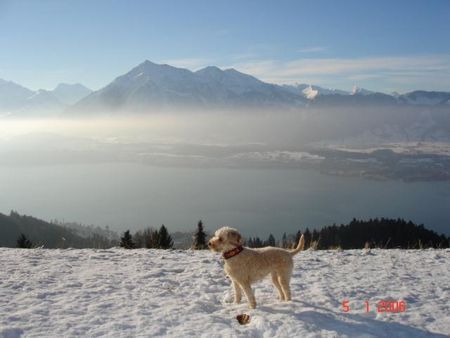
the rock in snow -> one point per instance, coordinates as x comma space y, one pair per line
150, 293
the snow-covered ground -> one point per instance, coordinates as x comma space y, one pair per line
149, 293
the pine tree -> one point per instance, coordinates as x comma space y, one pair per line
297, 238
307, 235
284, 242
270, 241
151, 238
199, 238
257, 243
23, 242
165, 240
139, 239
127, 240
249, 242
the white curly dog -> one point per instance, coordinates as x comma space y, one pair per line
246, 266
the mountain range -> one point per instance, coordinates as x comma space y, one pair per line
154, 87
17, 100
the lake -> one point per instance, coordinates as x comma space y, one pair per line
257, 201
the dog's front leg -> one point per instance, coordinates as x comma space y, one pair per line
249, 294
237, 292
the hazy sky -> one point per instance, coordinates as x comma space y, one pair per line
380, 45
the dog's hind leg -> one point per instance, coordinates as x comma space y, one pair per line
277, 285
249, 294
237, 292
284, 279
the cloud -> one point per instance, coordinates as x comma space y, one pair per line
375, 71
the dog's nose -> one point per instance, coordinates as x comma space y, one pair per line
209, 243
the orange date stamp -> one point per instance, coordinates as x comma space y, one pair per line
382, 306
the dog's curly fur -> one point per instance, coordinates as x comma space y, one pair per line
252, 265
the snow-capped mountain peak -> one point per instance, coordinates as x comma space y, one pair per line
310, 93
360, 91
159, 86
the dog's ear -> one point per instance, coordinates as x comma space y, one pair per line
236, 238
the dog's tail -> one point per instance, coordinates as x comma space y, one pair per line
300, 246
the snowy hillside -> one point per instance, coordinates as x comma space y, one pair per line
150, 293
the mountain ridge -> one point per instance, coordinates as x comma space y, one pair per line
164, 86
150, 86
46, 234
16, 99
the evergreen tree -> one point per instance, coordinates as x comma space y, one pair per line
297, 238
249, 242
164, 239
127, 240
23, 242
270, 241
199, 238
151, 238
307, 238
284, 241
258, 242
139, 239
254, 242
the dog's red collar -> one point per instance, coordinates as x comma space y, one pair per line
233, 252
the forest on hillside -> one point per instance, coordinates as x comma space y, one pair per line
382, 233
26, 231
45, 234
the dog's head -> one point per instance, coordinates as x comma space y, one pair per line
225, 239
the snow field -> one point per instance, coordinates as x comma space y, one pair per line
151, 293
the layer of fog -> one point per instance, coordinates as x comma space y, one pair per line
212, 139
186, 139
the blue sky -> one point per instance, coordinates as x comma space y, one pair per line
380, 45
